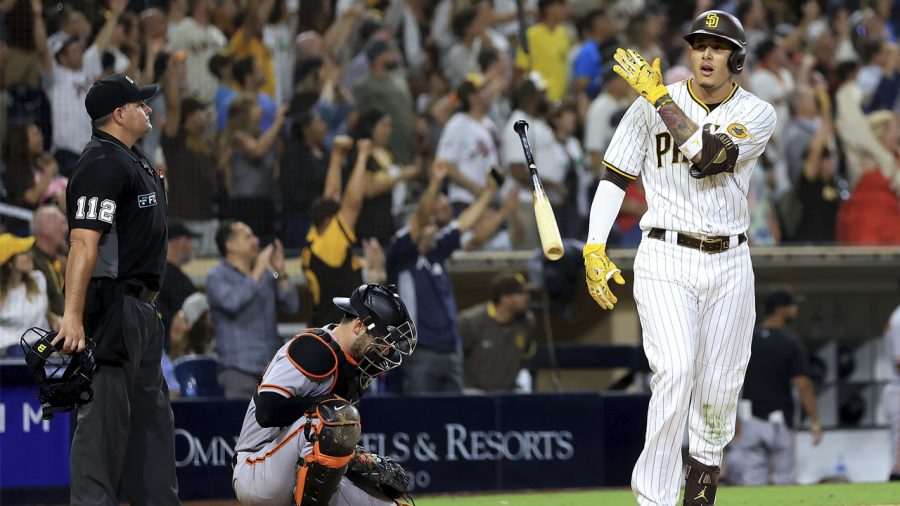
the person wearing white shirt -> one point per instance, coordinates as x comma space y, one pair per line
468, 141
23, 291
772, 82
69, 72
615, 96
891, 396
200, 40
278, 39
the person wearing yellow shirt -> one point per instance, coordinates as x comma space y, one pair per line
549, 44
247, 41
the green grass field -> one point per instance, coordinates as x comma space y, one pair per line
801, 495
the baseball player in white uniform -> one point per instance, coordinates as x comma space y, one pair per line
891, 395
694, 143
299, 441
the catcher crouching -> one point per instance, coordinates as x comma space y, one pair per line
298, 444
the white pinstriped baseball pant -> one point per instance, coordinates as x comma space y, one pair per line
697, 312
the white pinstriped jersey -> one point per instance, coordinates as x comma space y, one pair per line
284, 377
712, 206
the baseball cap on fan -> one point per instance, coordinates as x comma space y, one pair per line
115, 91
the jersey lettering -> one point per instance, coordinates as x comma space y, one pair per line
92, 209
664, 145
79, 212
107, 209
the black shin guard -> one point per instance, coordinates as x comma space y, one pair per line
700, 483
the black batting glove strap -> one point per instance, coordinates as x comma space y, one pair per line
719, 154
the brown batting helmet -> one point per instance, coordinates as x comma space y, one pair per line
724, 26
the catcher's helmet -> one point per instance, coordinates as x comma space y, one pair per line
724, 26
384, 315
63, 382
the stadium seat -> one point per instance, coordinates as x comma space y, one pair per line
197, 376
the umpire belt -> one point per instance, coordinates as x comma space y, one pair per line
710, 245
141, 292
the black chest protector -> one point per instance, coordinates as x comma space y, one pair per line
317, 361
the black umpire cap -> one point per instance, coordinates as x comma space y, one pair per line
115, 91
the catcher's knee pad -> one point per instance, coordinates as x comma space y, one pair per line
334, 439
700, 483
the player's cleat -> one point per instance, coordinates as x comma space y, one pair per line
700, 483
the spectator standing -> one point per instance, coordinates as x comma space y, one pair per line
248, 159
804, 123
23, 291
303, 172
469, 141
415, 261
818, 191
247, 43
200, 40
31, 176
614, 98
245, 292
51, 245
190, 164
278, 36
70, 70
549, 44
564, 122
587, 67
773, 82
249, 77
469, 25
380, 89
176, 285
385, 187
853, 130
871, 215
498, 336
778, 362
328, 260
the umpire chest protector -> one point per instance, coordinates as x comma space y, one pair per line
317, 355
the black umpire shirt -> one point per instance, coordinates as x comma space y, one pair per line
776, 358
115, 190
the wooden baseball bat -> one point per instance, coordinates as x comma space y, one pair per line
551, 242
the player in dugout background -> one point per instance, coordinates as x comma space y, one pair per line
695, 144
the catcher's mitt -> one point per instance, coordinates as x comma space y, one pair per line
381, 473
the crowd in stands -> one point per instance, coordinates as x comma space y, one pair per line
360, 135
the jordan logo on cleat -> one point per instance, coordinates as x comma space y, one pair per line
701, 495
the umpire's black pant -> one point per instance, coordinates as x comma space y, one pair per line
126, 434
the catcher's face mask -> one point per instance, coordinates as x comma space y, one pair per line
387, 321
63, 382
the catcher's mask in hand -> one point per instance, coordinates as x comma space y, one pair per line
63, 382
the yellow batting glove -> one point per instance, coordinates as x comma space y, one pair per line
599, 269
646, 79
